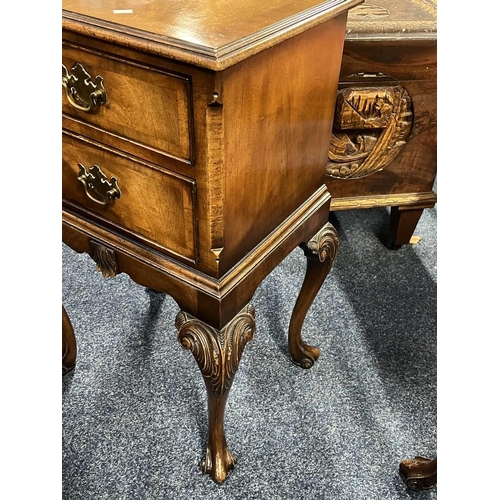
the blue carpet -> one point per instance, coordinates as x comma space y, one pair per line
134, 409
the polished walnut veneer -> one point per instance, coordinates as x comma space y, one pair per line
383, 150
194, 143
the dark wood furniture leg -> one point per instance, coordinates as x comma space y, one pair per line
403, 222
216, 320
320, 252
419, 473
68, 344
218, 353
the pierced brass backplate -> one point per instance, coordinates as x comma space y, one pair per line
97, 187
81, 92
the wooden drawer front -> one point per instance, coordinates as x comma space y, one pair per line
147, 106
155, 206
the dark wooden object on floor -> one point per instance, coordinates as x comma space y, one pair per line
383, 150
68, 344
419, 473
194, 146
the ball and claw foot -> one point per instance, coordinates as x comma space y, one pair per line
419, 473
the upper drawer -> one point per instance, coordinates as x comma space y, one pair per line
152, 205
145, 105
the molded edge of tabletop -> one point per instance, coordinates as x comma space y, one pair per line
211, 57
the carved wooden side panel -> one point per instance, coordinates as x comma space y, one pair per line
370, 128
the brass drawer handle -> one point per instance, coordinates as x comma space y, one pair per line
97, 187
82, 94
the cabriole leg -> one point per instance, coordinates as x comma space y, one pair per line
320, 252
218, 354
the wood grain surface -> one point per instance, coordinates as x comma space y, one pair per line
212, 34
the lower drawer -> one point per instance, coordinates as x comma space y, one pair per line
153, 206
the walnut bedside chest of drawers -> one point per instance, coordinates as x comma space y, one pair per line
384, 138
194, 142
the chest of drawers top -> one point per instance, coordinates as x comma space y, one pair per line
208, 121
211, 34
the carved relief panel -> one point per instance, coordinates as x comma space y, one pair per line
371, 126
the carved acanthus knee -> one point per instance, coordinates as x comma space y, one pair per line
217, 353
323, 245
